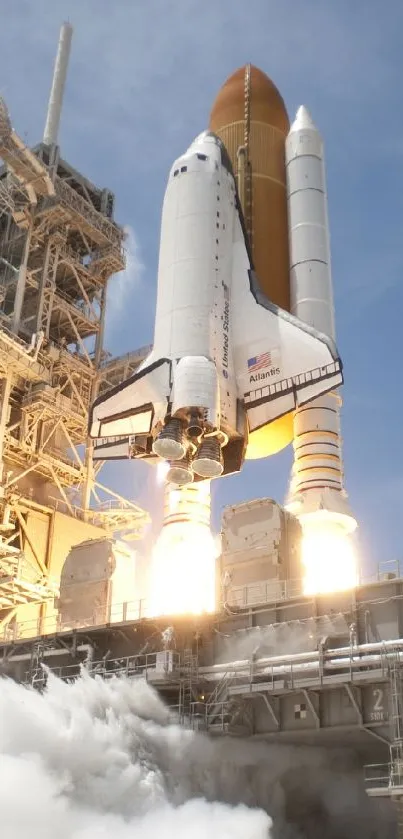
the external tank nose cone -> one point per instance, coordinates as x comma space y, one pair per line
249, 84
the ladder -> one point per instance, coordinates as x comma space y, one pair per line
189, 670
218, 707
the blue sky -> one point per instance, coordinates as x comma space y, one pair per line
142, 79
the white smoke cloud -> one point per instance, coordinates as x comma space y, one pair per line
99, 759
285, 638
80, 762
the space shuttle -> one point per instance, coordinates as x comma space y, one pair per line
226, 361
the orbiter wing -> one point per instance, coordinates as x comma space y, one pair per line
130, 408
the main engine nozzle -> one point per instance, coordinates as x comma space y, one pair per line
208, 462
180, 471
170, 443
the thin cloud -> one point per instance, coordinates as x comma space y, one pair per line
123, 287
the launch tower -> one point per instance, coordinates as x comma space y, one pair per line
59, 245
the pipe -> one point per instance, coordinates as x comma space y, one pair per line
267, 662
36, 342
58, 83
312, 668
48, 653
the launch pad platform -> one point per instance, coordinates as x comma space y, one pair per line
323, 670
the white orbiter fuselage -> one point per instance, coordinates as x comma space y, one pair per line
225, 360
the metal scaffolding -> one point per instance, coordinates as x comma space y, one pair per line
59, 245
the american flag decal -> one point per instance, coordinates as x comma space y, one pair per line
259, 361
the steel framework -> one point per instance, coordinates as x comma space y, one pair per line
59, 245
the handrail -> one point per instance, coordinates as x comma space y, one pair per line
79, 205
269, 591
130, 610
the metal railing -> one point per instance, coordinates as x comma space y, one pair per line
384, 779
100, 616
133, 610
88, 213
127, 358
377, 776
147, 666
267, 591
59, 505
271, 591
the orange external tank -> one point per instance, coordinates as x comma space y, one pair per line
250, 117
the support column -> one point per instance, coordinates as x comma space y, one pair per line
89, 464
42, 291
5, 389
21, 282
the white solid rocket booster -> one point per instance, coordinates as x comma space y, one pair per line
317, 479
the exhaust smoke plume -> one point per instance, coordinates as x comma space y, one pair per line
98, 759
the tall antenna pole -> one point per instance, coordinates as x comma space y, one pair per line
58, 83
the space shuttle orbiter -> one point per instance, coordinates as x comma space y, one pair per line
225, 360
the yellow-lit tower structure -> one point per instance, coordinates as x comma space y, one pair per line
59, 245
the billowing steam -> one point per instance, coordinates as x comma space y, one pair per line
100, 759
285, 638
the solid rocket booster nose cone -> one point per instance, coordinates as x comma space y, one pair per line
303, 120
168, 449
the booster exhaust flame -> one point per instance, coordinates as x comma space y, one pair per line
328, 557
184, 557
